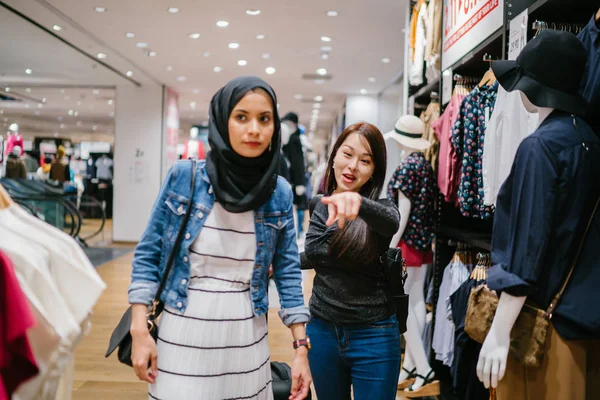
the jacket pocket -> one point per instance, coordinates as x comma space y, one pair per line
277, 223
176, 204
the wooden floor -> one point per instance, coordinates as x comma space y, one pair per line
98, 378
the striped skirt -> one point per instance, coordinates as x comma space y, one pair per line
216, 350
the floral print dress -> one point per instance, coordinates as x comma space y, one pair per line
468, 136
414, 177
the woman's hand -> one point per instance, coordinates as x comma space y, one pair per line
342, 206
143, 347
301, 377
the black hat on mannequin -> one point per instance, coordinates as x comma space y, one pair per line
291, 116
549, 71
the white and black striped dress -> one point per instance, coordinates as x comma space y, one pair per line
217, 350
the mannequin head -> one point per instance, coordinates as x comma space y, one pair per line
286, 132
13, 129
194, 132
291, 120
408, 135
542, 112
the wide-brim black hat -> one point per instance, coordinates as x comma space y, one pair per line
549, 71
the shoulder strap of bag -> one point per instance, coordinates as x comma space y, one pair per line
176, 246
556, 298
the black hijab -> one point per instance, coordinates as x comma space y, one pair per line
240, 184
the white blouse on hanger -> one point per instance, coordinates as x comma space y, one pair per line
509, 124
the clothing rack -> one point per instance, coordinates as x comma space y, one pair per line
539, 26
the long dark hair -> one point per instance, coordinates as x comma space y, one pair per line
356, 241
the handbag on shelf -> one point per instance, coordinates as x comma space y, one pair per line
121, 337
530, 331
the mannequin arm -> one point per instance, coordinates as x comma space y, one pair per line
494, 353
404, 208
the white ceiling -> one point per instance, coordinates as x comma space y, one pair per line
362, 34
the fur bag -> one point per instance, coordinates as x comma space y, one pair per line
528, 335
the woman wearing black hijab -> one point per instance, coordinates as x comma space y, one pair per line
212, 341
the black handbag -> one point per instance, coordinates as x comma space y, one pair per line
121, 337
395, 273
281, 373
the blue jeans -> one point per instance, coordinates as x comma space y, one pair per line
366, 357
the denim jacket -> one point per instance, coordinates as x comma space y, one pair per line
275, 245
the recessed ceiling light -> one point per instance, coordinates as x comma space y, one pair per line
242, 63
28, 90
62, 126
100, 9
372, 80
57, 28
217, 69
270, 70
55, 134
206, 54
317, 105
326, 49
62, 91
28, 71
76, 113
319, 81
385, 60
196, 91
40, 105
253, 12
318, 98
151, 54
94, 127
96, 91
129, 73
44, 100
363, 91
222, 24
322, 71
173, 10
266, 56
324, 56
298, 97
169, 68
194, 35
141, 45
130, 35
7, 89
193, 104
326, 39
110, 102
101, 56
332, 13
234, 45
70, 112
260, 37
181, 78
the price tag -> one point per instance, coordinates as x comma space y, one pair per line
446, 86
517, 38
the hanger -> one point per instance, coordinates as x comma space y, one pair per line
5, 200
488, 78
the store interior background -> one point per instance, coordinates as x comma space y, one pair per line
103, 76
91, 76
